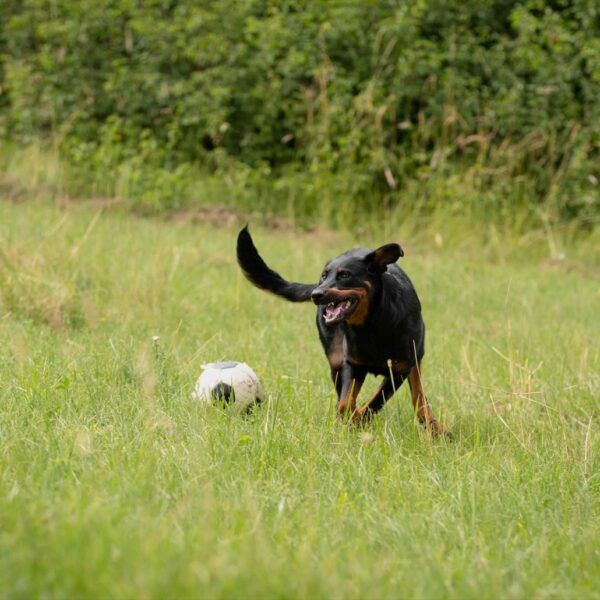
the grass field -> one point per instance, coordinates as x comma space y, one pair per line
114, 483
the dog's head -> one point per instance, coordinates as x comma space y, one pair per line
350, 281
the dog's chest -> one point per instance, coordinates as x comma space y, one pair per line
372, 351
369, 350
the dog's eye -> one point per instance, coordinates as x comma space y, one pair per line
344, 275
323, 275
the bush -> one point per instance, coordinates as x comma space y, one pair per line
359, 98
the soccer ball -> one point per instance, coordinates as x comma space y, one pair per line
229, 383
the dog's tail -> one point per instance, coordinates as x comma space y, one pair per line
258, 273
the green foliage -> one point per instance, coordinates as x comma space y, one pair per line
361, 100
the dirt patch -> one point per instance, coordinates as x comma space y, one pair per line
12, 191
99, 201
213, 215
570, 266
220, 215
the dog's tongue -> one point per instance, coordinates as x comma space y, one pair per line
336, 311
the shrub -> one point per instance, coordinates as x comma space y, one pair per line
364, 98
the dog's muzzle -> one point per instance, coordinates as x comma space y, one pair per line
338, 304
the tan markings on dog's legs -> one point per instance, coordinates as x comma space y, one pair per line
420, 403
347, 402
377, 399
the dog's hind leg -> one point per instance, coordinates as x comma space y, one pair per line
421, 405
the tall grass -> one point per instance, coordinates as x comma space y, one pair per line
114, 482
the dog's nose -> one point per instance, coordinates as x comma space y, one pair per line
317, 295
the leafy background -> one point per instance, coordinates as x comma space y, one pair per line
292, 107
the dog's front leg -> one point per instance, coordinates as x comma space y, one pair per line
384, 392
352, 377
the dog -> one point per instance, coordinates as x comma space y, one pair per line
369, 321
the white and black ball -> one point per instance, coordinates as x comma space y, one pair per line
229, 383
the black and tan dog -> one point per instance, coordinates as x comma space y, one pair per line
369, 321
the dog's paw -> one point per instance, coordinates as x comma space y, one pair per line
361, 417
438, 430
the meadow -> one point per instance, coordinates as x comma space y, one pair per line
115, 483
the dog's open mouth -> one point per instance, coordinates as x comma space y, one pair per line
339, 310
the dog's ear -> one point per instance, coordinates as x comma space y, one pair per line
385, 255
